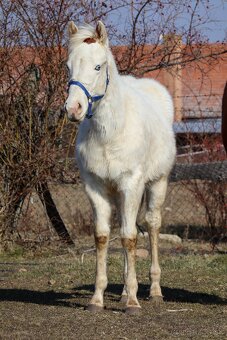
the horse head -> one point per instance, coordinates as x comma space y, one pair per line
88, 69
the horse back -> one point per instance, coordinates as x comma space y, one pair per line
155, 93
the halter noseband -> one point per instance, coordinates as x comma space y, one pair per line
91, 99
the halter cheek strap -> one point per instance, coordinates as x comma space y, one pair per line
91, 99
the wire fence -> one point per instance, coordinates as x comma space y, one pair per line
195, 205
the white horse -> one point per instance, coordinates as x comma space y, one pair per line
125, 149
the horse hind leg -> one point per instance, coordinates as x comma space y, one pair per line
155, 196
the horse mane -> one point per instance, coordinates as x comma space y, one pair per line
86, 33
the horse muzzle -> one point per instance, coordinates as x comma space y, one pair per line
75, 112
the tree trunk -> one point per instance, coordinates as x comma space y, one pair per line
53, 214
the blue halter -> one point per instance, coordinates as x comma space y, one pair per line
91, 99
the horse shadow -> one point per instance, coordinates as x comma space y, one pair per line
47, 298
170, 294
84, 292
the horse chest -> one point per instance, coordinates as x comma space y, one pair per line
104, 161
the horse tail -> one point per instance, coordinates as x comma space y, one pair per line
140, 220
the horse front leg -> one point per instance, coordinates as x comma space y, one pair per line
102, 213
130, 200
156, 193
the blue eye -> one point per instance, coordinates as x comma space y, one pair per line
97, 68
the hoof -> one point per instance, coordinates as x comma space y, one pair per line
94, 308
124, 299
133, 310
156, 301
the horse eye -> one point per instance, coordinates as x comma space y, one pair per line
97, 68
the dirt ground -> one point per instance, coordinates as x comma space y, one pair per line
44, 294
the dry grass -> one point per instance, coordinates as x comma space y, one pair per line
44, 297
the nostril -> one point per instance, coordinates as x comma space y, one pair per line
78, 108
74, 109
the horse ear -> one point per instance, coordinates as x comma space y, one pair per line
101, 32
72, 29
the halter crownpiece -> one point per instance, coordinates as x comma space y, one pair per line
91, 99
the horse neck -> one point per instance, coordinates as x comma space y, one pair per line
108, 120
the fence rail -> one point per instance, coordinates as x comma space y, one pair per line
214, 171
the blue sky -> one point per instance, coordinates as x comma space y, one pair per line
216, 28
213, 24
